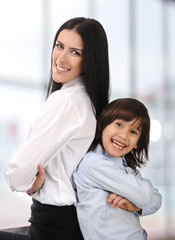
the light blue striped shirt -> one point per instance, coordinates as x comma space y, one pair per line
97, 175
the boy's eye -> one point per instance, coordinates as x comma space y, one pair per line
133, 132
118, 124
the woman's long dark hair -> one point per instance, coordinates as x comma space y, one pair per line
126, 109
95, 60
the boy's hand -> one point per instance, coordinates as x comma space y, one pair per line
121, 202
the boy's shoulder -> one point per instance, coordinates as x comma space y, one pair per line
92, 157
96, 154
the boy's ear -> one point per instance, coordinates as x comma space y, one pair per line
136, 146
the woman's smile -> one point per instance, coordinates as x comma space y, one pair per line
62, 69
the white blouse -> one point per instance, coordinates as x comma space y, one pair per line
58, 140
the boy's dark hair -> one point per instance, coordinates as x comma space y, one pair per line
95, 60
127, 109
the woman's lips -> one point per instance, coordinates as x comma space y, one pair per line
62, 69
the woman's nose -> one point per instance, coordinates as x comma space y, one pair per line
62, 57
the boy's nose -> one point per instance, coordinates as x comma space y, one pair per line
123, 134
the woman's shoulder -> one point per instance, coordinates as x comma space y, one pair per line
75, 94
67, 95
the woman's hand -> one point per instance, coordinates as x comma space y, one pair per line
121, 202
39, 181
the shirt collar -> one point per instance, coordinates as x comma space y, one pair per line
120, 161
75, 82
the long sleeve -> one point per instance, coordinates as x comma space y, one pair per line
98, 174
60, 137
156, 199
57, 123
109, 177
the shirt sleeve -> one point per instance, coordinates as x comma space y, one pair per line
57, 123
106, 175
155, 202
154, 205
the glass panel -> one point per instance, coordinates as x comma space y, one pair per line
21, 41
114, 16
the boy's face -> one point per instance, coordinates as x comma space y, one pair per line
120, 137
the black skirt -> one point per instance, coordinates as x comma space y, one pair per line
48, 222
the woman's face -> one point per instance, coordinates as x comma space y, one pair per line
67, 57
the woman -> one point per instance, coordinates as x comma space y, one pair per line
77, 93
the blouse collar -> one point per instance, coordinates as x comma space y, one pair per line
75, 82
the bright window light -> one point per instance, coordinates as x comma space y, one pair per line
155, 130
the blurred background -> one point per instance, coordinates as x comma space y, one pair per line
141, 37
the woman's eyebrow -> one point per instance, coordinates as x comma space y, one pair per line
72, 48
57, 41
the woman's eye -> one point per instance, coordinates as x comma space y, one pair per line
74, 52
58, 45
